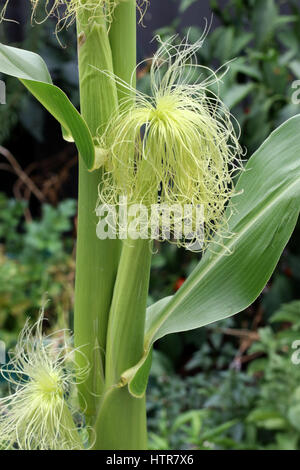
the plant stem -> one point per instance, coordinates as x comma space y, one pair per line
125, 335
96, 260
121, 423
122, 36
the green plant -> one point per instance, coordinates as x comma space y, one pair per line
277, 409
205, 411
112, 327
22, 112
35, 260
261, 405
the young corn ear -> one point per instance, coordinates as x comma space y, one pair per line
175, 147
36, 415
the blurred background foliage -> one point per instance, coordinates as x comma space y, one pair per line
231, 385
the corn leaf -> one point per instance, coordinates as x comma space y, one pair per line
32, 71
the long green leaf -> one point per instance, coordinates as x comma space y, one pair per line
224, 284
32, 71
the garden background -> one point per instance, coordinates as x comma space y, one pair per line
231, 385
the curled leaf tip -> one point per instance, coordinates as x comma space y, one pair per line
101, 156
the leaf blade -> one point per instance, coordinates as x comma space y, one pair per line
32, 71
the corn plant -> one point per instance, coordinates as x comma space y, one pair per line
180, 147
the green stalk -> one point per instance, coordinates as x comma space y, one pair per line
125, 335
122, 36
96, 260
121, 423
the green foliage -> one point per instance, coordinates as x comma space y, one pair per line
230, 409
35, 260
278, 407
205, 411
32, 71
22, 109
